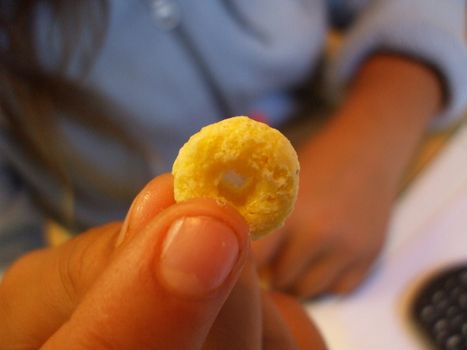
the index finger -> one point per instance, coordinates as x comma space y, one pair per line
40, 291
301, 326
238, 325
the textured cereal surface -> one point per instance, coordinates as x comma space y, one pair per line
245, 163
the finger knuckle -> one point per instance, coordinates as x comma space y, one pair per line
15, 273
346, 288
81, 260
95, 339
68, 270
10, 291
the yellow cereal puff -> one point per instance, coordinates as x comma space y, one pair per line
242, 162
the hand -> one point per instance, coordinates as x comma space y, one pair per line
337, 228
174, 276
350, 175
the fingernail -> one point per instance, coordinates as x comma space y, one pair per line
198, 255
124, 229
135, 213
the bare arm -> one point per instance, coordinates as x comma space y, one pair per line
350, 175
390, 103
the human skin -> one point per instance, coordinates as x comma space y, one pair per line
351, 173
131, 287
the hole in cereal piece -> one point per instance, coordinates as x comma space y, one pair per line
235, 186
234, 179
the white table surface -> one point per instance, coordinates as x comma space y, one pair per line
428, 232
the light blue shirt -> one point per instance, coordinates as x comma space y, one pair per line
174, 66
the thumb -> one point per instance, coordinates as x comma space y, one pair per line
165, 284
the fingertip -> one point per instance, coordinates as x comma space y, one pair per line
156, 196
351, 280
219, 211
319, 278
159, 192
204, 248
162, 185
285, 271
297, 254
198, 255
266, 249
